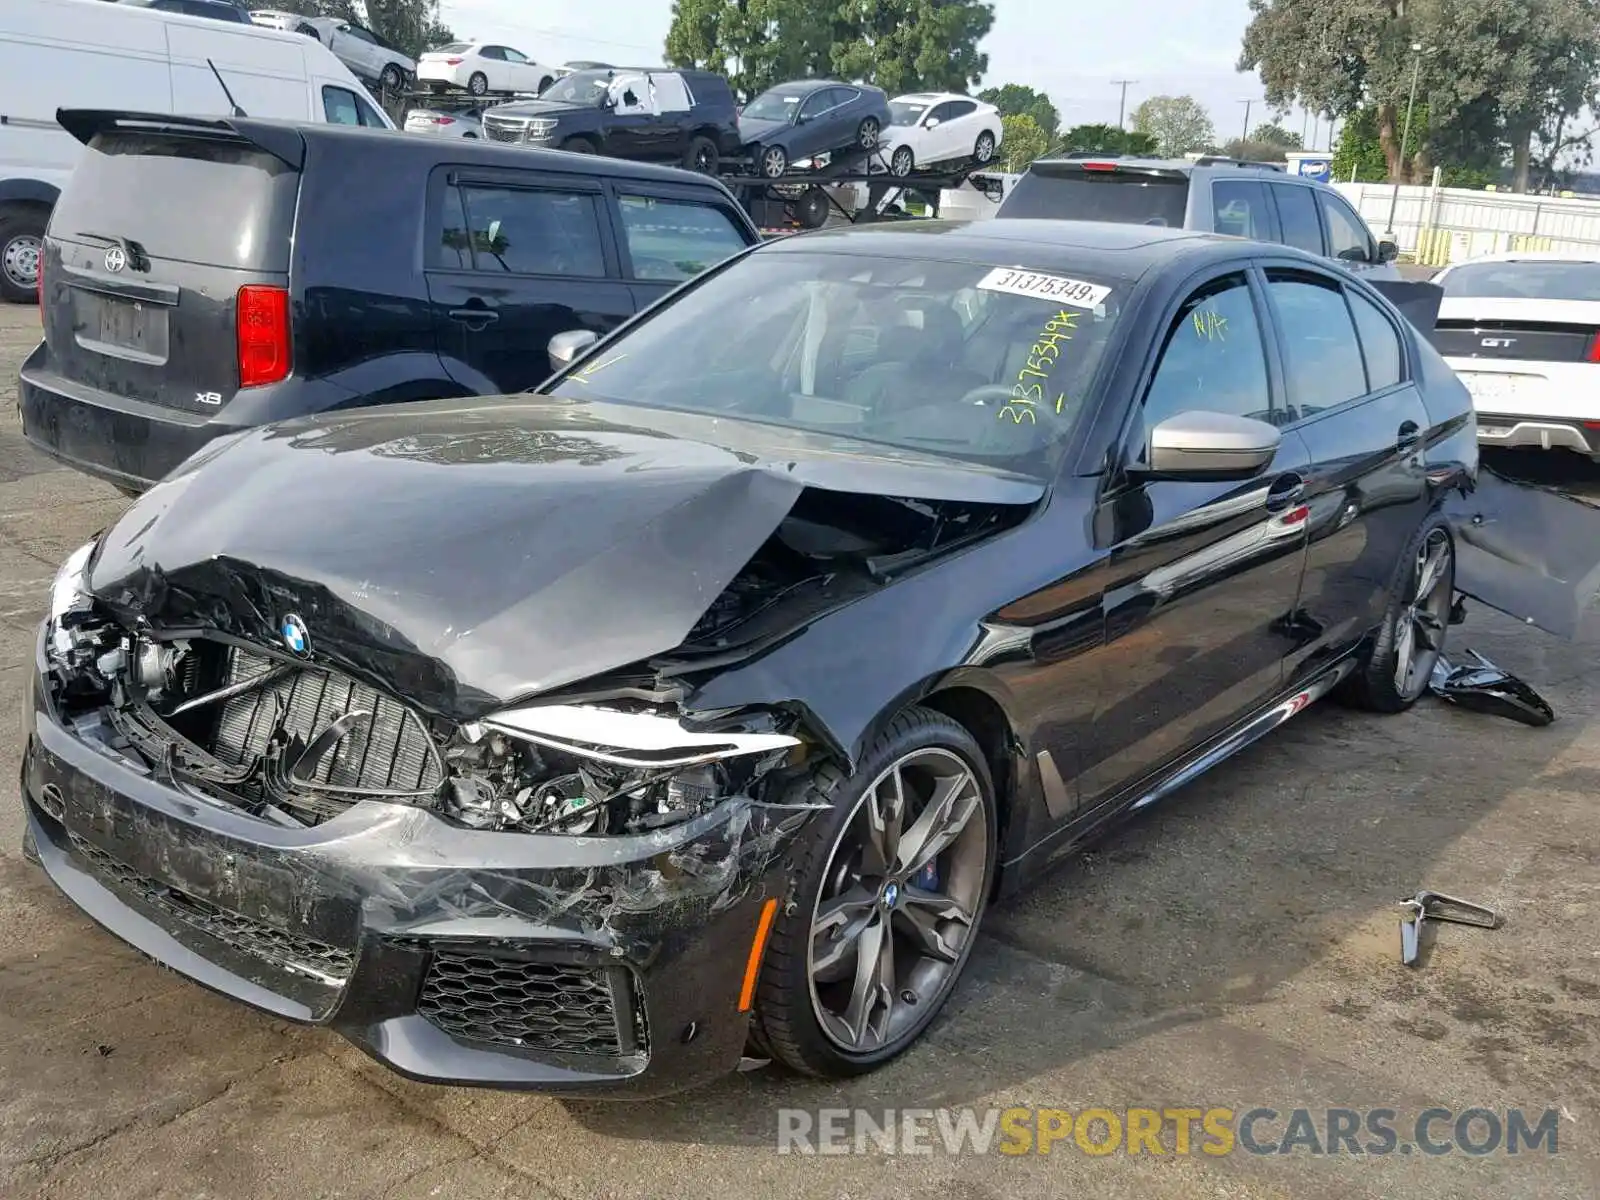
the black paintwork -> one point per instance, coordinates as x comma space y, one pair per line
803, 135
641, 136
376, 318
1116, 637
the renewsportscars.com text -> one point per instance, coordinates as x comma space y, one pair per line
1177, 1131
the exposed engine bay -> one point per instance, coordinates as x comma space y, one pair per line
296, 743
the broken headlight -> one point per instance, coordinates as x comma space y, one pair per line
592, 769
70, 591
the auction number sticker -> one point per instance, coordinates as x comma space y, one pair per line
1056, 288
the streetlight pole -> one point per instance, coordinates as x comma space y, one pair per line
1122, 106
1405, 135
1245, 136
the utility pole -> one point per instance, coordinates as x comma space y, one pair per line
1405, 135
1245, 136
1122, 106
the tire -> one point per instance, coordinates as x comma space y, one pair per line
471, 137
1414, 627
773, 161
901, 161
812, 208
391, 78
983, 149
21, 245
478, 83
544, 84
701, 155
579, 145
867, 133
920, 743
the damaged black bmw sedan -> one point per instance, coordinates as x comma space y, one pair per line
699, 703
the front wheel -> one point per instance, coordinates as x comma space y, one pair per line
578, 145
1394, 671
478, 84
891, 886
391, 78
867, 133
774, 162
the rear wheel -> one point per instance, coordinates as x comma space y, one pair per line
983, 151
887, 901
1394, 672
867, 133
702, 155
21, 247
478, 84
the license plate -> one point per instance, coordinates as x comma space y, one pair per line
124, 328
1498, 389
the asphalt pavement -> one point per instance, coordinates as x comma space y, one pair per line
1236, 948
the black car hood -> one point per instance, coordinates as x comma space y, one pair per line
539, 108
465, 554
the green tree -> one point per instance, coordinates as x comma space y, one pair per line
1013, 99
1107, 139
1023, 141
901, 45
1273, 134
1178, 124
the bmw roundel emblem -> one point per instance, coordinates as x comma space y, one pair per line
296, 638
116, 259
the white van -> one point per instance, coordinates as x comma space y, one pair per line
90, 54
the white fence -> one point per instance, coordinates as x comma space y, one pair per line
1441, 225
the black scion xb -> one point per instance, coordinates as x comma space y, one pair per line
704, 697
203, 276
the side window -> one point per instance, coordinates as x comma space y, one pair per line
1347, 233
339, 106
527, 232
1379, 342
672, 96
1213, 359
493, 53
1323, 358
369, 115
453, 251
675, 239
1239, 207
959, 108
515, 56
1297, 214
818, 102
360, 34
939, 112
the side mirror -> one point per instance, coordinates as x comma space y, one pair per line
1211, 446
1388, 250
565, 347
931, 123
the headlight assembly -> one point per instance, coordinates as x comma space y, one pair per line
70, 591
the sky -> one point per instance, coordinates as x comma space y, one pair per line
1073, 52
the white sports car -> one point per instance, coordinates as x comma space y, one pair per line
481, 68
1522, 330
939, 127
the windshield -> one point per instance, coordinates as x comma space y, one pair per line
1077, 195
989, 364
1531, 280
775, 105
581, 87
906, 112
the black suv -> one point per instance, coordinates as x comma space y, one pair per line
685, 117
202, 276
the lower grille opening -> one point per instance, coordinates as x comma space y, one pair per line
544, 1006
292, 952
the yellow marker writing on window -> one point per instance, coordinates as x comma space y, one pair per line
1212, 326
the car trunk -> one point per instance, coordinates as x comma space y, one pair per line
1518, 329
167, 261
1099, 191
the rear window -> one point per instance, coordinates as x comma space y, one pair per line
1525, 280
453, 48
202, 200
1123, 197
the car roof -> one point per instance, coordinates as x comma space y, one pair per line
1110, 249
1178, 165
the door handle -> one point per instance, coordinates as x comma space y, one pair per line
1409, 436
474, 318
1286, 491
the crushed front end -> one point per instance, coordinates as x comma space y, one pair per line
562, 896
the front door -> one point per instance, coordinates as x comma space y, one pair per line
1203, 577
515, 260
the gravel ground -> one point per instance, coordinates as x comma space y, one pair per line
1236, 948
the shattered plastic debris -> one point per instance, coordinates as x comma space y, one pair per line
1483, 687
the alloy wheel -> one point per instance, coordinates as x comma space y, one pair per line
1420, 631
901, 161
19, 259
774, 162
867, 134
984, 150
904, 884
478, 84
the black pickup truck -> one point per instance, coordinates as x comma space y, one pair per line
683, 117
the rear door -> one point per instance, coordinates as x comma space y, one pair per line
669, 233
149, 246
515, 258
1241, 207
1353, 402
1299, 224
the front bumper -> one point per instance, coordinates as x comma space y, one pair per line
565, 964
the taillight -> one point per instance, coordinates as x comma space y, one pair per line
1594, 348
1098, 166
263, 334
452, 62
444, 120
